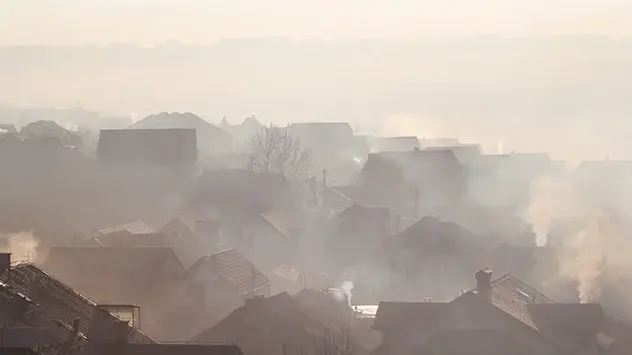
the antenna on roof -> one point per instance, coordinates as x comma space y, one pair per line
253, 276
303, 276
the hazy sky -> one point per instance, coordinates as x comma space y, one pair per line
205, 21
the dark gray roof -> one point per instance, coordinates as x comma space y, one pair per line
516, 298
232, 267
31, 297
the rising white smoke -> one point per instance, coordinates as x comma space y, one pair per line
551, 198
344, 292
22, 246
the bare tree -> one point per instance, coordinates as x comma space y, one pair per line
275, 150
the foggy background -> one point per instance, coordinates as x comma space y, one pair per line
504, 73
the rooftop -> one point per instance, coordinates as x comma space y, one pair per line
232, 267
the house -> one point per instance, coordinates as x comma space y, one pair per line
213, 287
40, 310
171, 148
278, 238
337, 314
50, 129
466, 153
135, 227
429, 259
393, 144
142, 276
411, 183
438, 175
210, 138
356, 232
293, 279
276, 325
500, 224
243, 132
332, 145
192, 236
497, 316
121, 234
232, 269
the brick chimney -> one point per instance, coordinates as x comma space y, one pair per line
5, 262
484, 282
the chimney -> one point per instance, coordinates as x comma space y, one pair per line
106, 328
484, 282
5, 262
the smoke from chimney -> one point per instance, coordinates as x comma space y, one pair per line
344, 292
23, 246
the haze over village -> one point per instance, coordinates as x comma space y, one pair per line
304, 183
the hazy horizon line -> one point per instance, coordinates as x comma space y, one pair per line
176, 41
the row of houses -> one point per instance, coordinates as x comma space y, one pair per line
46, 316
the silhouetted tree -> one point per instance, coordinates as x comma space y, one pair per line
275, 150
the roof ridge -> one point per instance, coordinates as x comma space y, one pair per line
533, 290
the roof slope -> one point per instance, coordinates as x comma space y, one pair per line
337, 315
282, 221
136, 227
51, 304
515, 297
210, 138
232, 267
271, 324
174, 120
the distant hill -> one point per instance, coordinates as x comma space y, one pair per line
211, 139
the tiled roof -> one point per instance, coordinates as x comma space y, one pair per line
514, 297
231, 266
51, 304
336, 200
136, 227
282, 221
272, 323
337, 316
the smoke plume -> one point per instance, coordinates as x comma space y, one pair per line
344, 292
22, 246
552, 197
